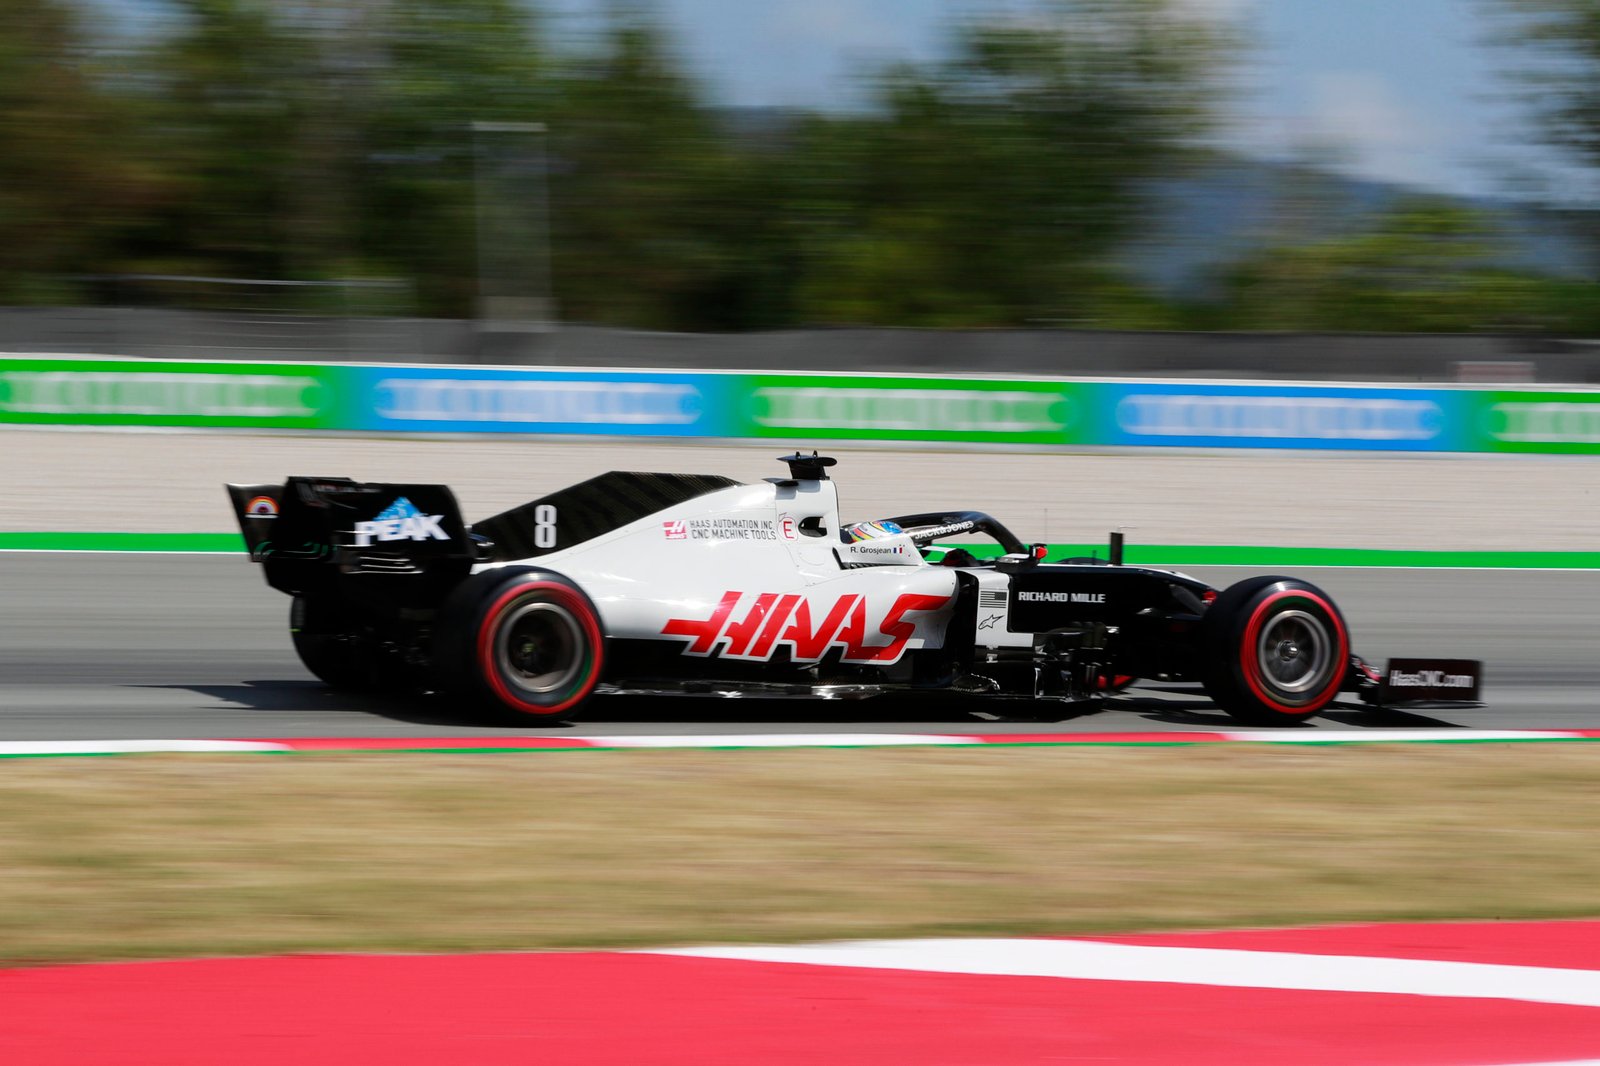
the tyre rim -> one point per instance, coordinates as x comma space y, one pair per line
1294, 652
540, 647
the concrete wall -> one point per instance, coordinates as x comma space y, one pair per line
1353, 357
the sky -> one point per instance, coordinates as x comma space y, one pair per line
1406, 91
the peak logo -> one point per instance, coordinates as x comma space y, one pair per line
789, 620
400, 521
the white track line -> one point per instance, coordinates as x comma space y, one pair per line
121, 747
1343, 736
779, 740
1093, 961
782, 740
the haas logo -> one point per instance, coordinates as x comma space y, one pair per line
776, 620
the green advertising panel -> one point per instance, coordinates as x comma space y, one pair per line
874, 407
148, 392
1540, 422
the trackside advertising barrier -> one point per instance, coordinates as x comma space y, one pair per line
1283, 416
133, 392
795, 407
435, 400
1528, 421
1019, 411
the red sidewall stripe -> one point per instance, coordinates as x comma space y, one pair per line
1250, 666
565, 597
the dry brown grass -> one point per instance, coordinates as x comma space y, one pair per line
150, 856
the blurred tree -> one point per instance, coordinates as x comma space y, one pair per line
661, 220
225, 97
1560, 72
65, 177
329, 139
326, 139
987, 188
432, 69
1425, 265
1557, 72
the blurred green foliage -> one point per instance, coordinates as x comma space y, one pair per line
1425, 264
333, 140
989, 188
66, 176
1556, 50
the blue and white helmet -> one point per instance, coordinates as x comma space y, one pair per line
872, 531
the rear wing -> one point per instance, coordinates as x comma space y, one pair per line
314, 533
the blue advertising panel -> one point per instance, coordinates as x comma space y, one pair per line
1175, 414
460, 400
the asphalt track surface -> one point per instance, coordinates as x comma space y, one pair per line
106, 646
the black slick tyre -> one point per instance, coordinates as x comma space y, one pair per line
324, 638
1276, 651
522, 644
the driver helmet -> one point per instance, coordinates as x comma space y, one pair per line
871, 531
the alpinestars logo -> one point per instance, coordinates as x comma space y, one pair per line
400, 521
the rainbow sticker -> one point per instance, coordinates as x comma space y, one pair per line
262, 507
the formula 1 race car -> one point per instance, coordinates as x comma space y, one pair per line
693, 583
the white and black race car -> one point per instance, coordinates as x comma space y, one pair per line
694, 583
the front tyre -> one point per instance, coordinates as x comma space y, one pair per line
526, 643
1277, 651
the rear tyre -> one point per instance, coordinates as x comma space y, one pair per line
524, 645
324, 637
1276, 651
